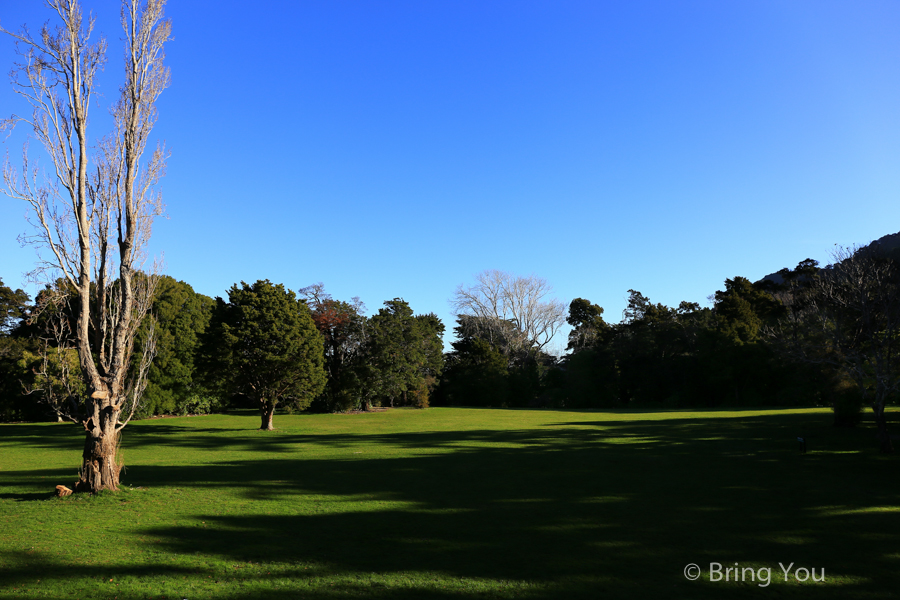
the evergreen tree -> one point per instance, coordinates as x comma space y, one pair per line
396, 351
265, 345
14, 307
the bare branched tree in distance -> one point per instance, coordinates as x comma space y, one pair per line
848, 316
499, 300
857, 301
92, 222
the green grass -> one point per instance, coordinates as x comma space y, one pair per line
455, 503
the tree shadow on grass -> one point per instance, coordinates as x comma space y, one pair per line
27, 496
40, 435
781, 429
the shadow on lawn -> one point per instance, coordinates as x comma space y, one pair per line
606, 508
734, 433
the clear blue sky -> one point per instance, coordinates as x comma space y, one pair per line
395, 149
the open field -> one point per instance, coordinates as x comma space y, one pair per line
456, 503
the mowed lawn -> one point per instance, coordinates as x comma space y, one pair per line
456, 503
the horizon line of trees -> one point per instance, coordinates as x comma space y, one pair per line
822, 336
262, 346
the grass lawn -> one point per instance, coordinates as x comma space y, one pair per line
457, 503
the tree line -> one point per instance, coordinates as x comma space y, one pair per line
808, 336
263, 346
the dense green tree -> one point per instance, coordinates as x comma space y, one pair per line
674, 355
432, 329
180, 316
589, 379
482, 371
501, 335
743, 308
13, 308
588, 326
265, 345
740, 365
476, 374
649, 348
400, 350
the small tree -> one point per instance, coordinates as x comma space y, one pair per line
265, 345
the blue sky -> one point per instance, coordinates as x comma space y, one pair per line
395, 149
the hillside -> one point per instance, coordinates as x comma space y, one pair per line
888, 244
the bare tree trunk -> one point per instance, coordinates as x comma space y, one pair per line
100, 466
267, 412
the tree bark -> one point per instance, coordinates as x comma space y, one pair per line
100, 467
267, 412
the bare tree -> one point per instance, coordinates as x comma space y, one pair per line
848, 316
92, 219
499, 300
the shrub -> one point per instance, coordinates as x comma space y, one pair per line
847, 404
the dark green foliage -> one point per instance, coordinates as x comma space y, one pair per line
402, 353
432, 330
483, 371
742, 309
180, 316
13, 308
848, 404
685, 355
501, 335
263, 343
589, 379
589, 328
14, 376
475, 375
51, 378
